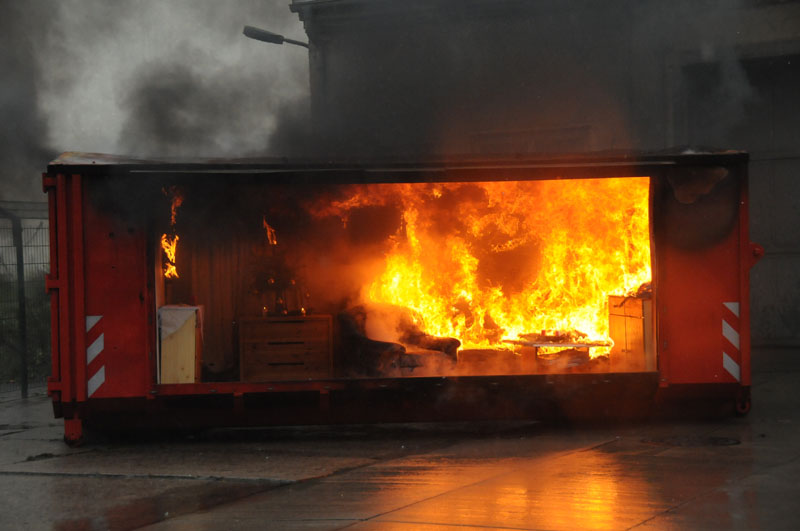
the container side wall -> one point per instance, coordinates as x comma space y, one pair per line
116, 312
750, 254
62, 385
53, 285
700, 302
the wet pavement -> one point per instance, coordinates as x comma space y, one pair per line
723, 473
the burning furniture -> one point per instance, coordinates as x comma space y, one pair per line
326, 292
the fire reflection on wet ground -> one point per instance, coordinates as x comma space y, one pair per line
705, 474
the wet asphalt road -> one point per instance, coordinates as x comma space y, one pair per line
724, 473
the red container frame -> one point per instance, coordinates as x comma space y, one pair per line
103, 300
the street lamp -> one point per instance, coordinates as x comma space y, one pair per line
267, 36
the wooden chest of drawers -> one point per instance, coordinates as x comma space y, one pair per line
285, 348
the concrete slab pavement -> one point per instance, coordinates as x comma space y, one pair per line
730, 473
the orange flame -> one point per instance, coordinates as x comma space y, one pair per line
170, 247
177, 201
170, 243
272, 236
492, 261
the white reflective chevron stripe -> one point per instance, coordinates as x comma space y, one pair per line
731, 366
95, 349
733, 307
730, 334
96, 381
92, 320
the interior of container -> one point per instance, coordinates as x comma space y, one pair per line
275, 281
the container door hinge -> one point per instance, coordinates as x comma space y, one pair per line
51, 283
757, 253
48, 182
325, 400
54, 386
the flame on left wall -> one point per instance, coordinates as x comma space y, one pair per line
169, 241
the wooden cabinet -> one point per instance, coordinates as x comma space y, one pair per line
630, 322
285, 348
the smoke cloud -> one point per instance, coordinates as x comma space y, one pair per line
155, 79
24, 144
149, 79
175, 108
430, 78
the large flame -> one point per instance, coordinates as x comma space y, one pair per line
487, 262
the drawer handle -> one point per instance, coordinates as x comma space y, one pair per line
285, 342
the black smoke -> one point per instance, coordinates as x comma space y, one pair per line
147, 78
447, 77
391, 78
199, 99
25, 146
176, 109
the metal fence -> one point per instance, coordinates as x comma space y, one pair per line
24, 305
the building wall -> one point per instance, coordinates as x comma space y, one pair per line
511, 76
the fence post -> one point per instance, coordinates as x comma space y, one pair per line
22, 318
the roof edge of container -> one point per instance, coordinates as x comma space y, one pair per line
78, 162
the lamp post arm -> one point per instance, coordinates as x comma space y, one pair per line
267, 36
298, 43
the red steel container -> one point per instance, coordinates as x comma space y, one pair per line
104, 315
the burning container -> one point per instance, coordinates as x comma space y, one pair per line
265, 291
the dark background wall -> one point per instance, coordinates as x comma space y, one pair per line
511, 76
